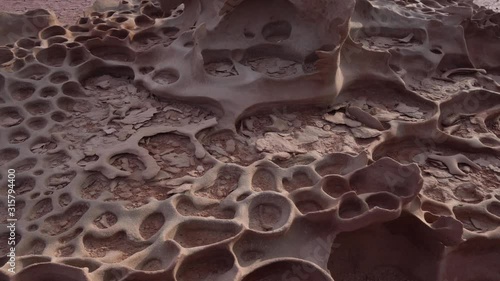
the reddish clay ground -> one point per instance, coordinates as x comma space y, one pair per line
69, 10
66, 10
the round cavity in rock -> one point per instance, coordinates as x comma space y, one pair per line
25, 184
103, 27
475, 220
10, 116
38, 107
277, 31
57, 40
268, 212
24, 165
263, 180
430, 218
36, 123
146, 69
51, 271
59, 77
145, 38
383, 200
48, 92
21, 53
5, 55
53, 55
21, 90
35, 72
490, 141
52, 31
106, 220
78, 56
299, 180
469, 193
243, 196
152, 11
494, 208
248, 34
209, 264
72, 45
169, 31
351, 207
73, 89
32, 228
18, 136
40, 209
64, 199
26, 43
335, 186
58, 116
18, 64
119, 33
7, 155
436, 51
120, 19
151, 225
143, 21
308, 206
76, 28
287, 270
166, 76
196, 233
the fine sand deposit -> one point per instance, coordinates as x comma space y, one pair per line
254, 140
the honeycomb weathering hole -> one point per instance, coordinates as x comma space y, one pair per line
151, 225
38, 107
10, 116
52, 31
53, 55
335, 186
8, 154
351, 207
383, 200
37, 123
73, 89
309, 201
206, 265
21, 90
5, 55
34, 72
166, 76
59, 77
269, 212
287, 270
50, 271
196, 233
277, 31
